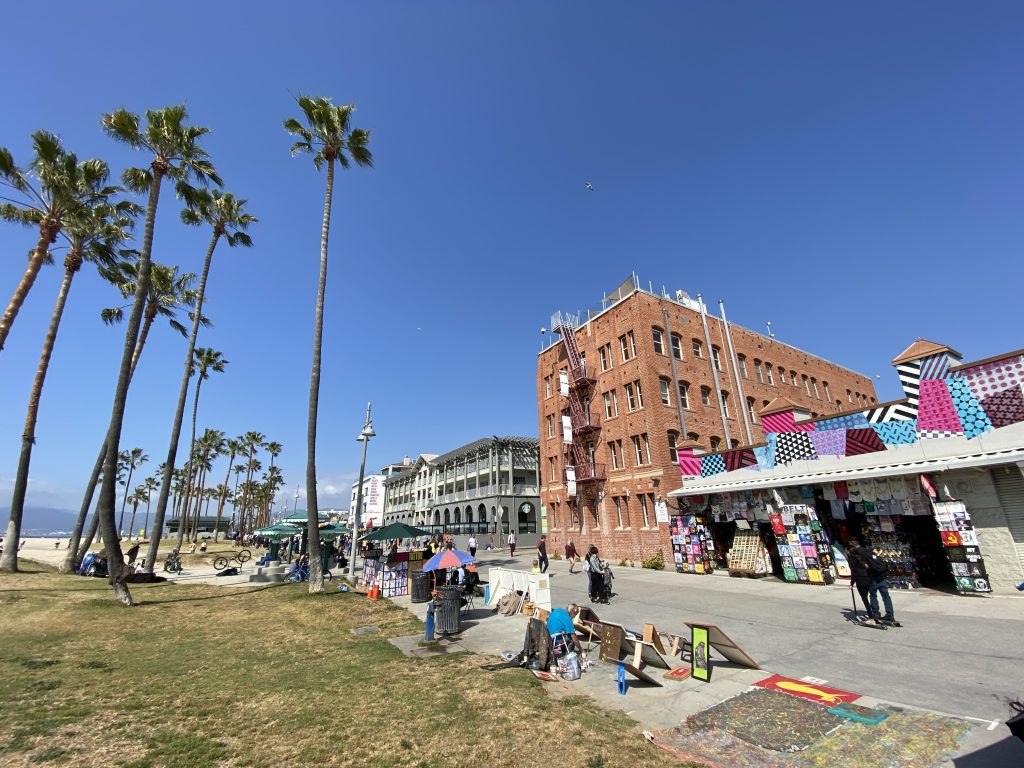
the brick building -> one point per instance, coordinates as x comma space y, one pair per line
619, 393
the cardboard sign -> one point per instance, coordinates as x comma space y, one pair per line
819, 694
726, 646
700, 657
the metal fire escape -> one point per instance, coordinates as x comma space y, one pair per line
580, 383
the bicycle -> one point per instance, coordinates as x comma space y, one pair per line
302, 574
223, 562
172, 563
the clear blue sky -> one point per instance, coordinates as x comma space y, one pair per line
851, 172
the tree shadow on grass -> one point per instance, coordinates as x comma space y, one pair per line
199, 598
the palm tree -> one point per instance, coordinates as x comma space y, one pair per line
205, 361
168, 292
229, 220
329, 138
51, 189
176, 155
251, 441
141, 494
274, 449
134, 458
151, 485
233, 448
93, 230
210, 445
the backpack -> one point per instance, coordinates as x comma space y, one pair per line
876, 566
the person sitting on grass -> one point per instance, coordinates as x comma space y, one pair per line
202, 547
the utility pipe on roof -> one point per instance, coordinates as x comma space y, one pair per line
736, 374
714, 370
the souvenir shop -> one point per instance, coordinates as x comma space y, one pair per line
799, 532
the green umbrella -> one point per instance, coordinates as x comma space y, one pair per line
299, 518
394, 531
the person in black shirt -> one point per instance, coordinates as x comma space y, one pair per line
542, 553
868, 573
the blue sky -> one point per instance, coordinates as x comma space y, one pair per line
851, 172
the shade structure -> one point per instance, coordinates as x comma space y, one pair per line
278, 531
448, 558
299, 518
331, 531
394, 531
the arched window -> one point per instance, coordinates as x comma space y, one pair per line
684, 394
715, 443
705, 395
750, 410
698, 348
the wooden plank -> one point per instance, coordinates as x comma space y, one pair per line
725, 645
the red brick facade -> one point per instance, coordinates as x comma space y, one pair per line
611, 513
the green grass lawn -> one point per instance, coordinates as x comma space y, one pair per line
210, 676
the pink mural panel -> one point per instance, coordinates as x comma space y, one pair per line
935, 410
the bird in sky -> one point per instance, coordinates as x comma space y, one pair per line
590, 186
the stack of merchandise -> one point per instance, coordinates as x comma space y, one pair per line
961, 542
748, 556
803, 545
394, 580
693, 549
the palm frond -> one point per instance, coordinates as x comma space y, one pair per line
122, 125
137, 179
112, 315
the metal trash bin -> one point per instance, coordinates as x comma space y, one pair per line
449, 611
420, 586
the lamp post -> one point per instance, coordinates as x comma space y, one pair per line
364, 438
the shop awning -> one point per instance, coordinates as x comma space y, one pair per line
1000, 446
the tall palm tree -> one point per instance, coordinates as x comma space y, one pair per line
274, 449
176, 155
210, 445
205, 361
228, 219
94, 230
327, 136
136, 457
140, 494
232, 448
168, 293
44, 195
151, 485
252, 442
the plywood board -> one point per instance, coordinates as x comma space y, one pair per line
725, 645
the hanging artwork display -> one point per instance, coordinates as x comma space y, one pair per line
693, 548
961, 543
804, 547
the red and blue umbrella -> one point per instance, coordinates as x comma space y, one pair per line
448, 558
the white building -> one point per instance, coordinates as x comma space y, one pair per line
371, 514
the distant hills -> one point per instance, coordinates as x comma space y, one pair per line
41, 520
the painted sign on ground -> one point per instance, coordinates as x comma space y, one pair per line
819, 694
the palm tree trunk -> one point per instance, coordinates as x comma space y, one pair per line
145, 527
124, 503
316, 576
73, 558
199, 499
245, 490
108, 490
223, 498
188, 470
131, 525
90, 534
9, 561
48, 229
179, 412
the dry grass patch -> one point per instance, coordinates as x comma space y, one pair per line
197, 675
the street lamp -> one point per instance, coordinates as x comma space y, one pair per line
364, 438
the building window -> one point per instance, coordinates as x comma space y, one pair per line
547, 386
551, 425
630, 397
849, 396
698, 349
807, 385
659, 341
684, 394
734, 443
725, 402
828, 395
615, 402
769, 373
715, 443
673, 446
677, 347
750, 410
716, 357
608, 405
553, 465
624, 347
613, 451
603, 353
705, 395
647, 448
792, 378
872, 400
743, 366
638, 451
814, 383
643, 508
782, 375
692, 436
664, 385
618, 509
758, 372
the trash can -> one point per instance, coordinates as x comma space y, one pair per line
449, 610
420, 587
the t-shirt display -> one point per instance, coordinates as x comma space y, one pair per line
888, 543
693, 548
803, 545
392, 578
961, 542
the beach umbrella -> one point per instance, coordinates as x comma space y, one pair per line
394, 531
448, 558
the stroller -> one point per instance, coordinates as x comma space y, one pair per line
609, 577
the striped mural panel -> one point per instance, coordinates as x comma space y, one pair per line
935, 367
910, 377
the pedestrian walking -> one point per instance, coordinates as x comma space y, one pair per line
472, 546
511, 544
571, 555
868, 574
542, 553
596, 571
